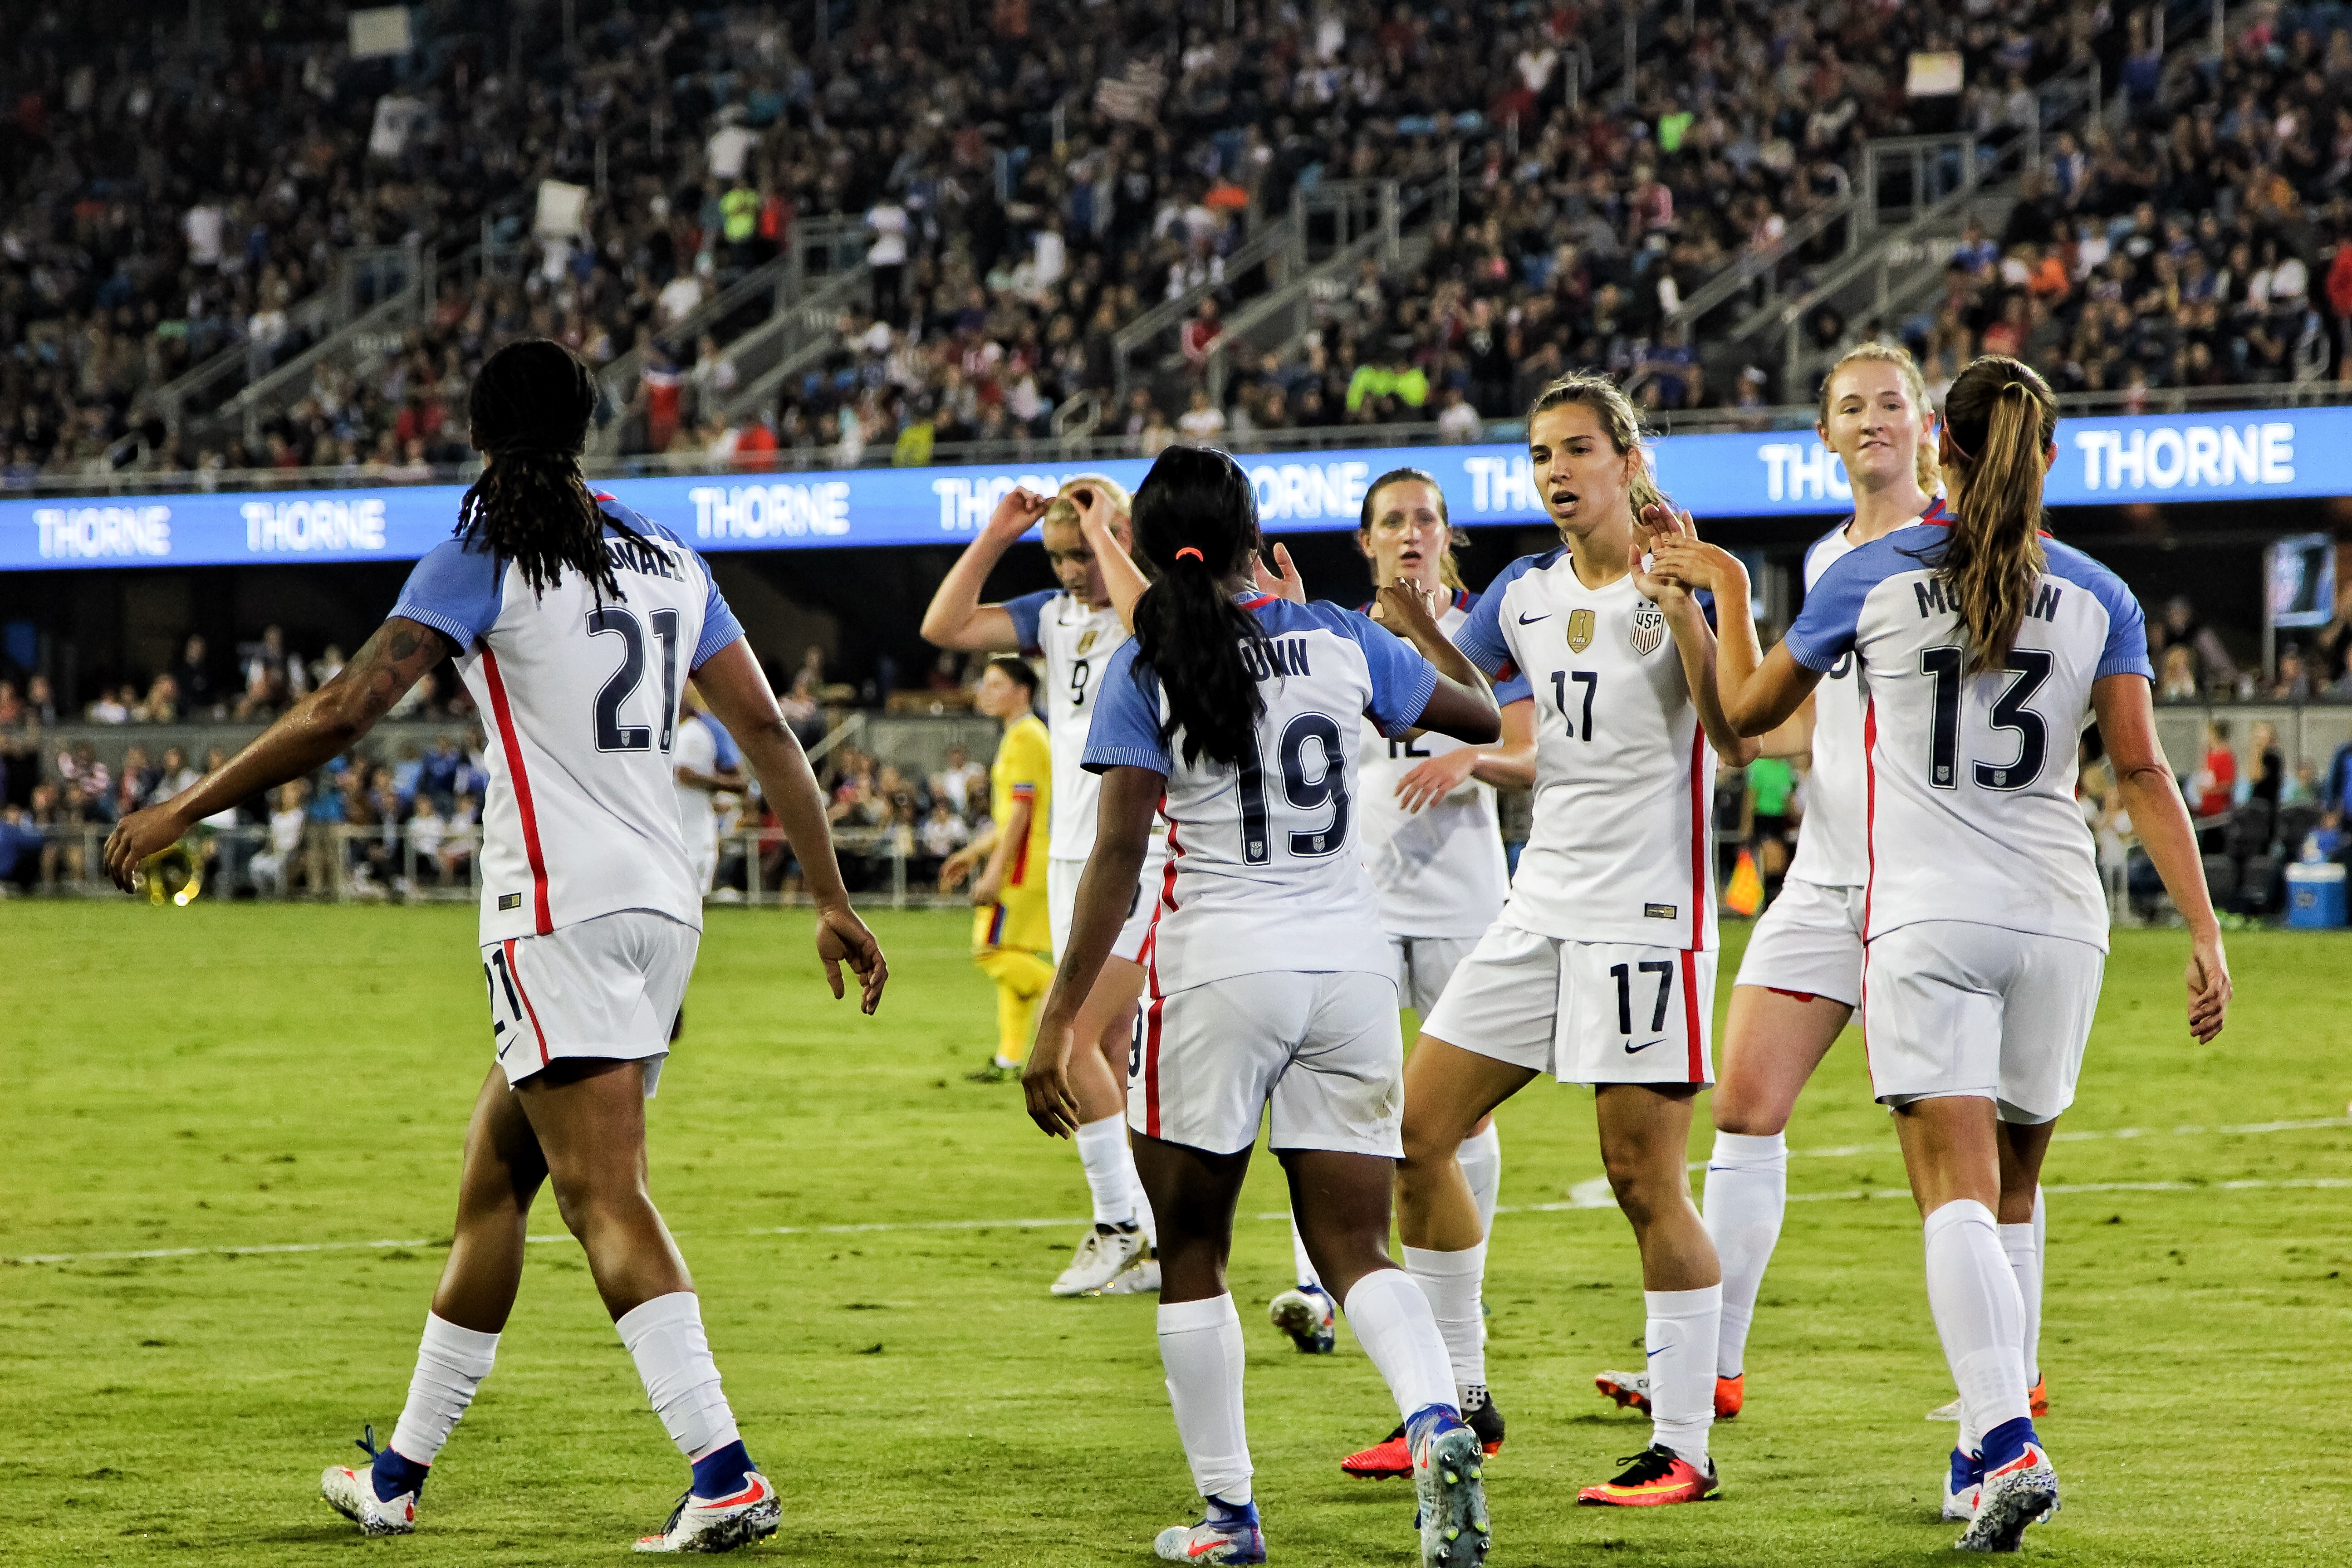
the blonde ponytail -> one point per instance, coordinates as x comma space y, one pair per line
2000, 419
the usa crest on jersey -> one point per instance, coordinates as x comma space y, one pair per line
1649, 628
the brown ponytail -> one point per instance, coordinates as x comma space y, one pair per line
2000, 419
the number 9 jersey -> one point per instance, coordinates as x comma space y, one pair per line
1969, 805
580, 701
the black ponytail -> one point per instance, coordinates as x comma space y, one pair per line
530, 410
1196, 525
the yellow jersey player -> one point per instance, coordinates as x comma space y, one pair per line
1011, 939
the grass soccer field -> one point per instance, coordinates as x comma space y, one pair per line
233, 1138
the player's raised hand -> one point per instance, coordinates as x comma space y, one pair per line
1428, 782
1284, 582
1405, 608
2208, 987
1016, 514
842, 938
137, 836
1691, 562
1046, 1083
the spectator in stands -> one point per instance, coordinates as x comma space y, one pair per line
193, 676
275, 867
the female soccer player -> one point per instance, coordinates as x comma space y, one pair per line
1270, 980
1801, 976
574, 621
1601, 967
1985, 645
1076, 628
1009, 932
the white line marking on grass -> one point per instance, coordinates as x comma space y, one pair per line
1594, 1194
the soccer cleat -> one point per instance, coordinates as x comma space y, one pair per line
2022, 1492
1102, 1257
1235, 1539
1306, 1314
1962, 1482
1653, 1478
1448, 1484
719, 1524
1391, 1458
996, 1069
351, 1494
1141, 1278
1631, 1389
2037, 1405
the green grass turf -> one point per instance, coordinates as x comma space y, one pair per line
239, 1076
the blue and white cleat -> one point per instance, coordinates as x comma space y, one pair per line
1236, 1538
1307, 1316
2022, 1492
1962, 1483
1448, 1483
351, 1493
719, 1524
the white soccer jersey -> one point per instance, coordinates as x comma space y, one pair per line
582, 699
1622, 836
1830, 848
1969, 782
695, 748
1077, 642
1440, 870
1265, 867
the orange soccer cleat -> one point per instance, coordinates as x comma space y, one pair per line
1391, 1458
1653, 1478
1631, 1390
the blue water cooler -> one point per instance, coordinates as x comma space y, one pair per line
2315, 895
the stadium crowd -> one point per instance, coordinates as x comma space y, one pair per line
165, 198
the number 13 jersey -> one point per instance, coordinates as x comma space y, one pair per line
1265, 867
580, 701
1970, 803
1624, 776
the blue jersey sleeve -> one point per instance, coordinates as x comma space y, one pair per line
456, 590
1126, 729
719, 627
2126, 652
1824, 629
1026, 611
1481, 638
1402, 679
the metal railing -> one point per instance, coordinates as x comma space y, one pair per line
1278, 239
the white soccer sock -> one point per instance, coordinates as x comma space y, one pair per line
664, 1338
1682, 1331
1201, 1351
1392, 1321
1451, 1282
1307, 1278
1973, 1295
1140, 1199
1102, 1151
2025, 1266
1747, 1196
1481, 1157
2041, 1273
451, 1362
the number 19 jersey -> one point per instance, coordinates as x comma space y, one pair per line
1970, 779
580, 699
1266, 868
1624, 776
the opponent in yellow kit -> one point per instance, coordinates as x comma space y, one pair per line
1011, 939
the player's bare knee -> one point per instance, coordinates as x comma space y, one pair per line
1749, 1120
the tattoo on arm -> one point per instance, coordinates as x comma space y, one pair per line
396, 658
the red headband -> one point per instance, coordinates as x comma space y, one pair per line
1195, 554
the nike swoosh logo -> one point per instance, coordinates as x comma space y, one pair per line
1660, 1351
1632, 1049
1530, 620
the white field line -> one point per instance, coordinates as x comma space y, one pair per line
1589, 1194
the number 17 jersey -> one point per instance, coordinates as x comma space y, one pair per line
1970, 806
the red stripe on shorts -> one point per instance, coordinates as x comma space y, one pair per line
516, 976
1690, 1017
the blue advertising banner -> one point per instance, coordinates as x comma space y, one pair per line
2235, 456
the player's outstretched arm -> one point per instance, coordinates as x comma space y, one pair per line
1509, 763
730, 681
1130, 798
956, 617
1749, 691
329, 722
2127, 729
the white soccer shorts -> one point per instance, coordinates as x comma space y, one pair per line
1062, 879
1424, 965
1955, 1008
608, 987
1324, 1050
1586, 1012
1808, 943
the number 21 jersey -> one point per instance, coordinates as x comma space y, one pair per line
1970, 779
581, 700
1624, 776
